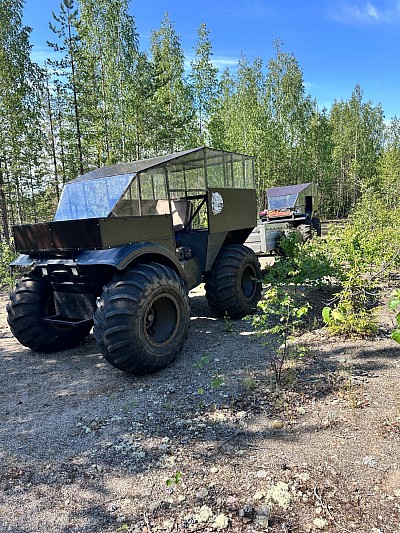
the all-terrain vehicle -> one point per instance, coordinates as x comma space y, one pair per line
126, 245
290, 208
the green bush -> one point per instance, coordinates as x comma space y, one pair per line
368, 251
394, 305
311, 263
281, 315
284, 308
7, 254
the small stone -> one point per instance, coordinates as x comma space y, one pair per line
204, 514
397, 493
202, 493
320, 523
168, 525
221, 522
246, 512
264, 511
262, 521
181, 498
369, 460
262, 473
214, 470
277, 424
259, 495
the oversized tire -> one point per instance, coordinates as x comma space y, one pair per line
142, 319
305, 231
31, 302
233, 285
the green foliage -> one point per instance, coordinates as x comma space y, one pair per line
311, 262
368, 250
217, 381
175, 480
204, 360
357, 133
228, 323
282, 313
204, 83
104, 101
394, 305
283, 308
7, 254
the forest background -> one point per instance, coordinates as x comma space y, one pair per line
104, 101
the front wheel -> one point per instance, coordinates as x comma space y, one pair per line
233, 285
142, 319
31, 302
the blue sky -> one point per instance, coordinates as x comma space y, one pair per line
338, 43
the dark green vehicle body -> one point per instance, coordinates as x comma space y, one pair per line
178, 211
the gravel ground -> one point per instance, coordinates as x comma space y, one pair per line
206, 444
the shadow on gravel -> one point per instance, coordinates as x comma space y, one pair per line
71, 421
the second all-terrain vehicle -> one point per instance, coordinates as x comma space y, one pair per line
290, 208
126, 245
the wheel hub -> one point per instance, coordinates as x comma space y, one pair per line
162, 319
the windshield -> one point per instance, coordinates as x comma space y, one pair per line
92, 198
281, 202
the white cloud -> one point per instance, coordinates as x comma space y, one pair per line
219, 61
39, 54
369, 12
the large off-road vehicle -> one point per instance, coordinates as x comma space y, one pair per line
290, 208
126, 245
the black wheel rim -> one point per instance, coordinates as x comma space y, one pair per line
161, 320
248, 282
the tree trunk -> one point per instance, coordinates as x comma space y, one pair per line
3, 208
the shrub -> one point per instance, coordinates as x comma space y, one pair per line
7, 254
394, 305
368, 250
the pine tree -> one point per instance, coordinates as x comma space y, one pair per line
205, 85
172, 104
109, 61
20, 106
357, 132
66, 68
389, 164
289, 113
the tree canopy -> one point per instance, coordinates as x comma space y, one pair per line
100, 100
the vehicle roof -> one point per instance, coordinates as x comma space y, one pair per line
144, 164
288, 189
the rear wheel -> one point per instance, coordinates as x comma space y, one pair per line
233, 285
142, 319
31, 302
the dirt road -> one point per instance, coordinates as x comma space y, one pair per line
204, 445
